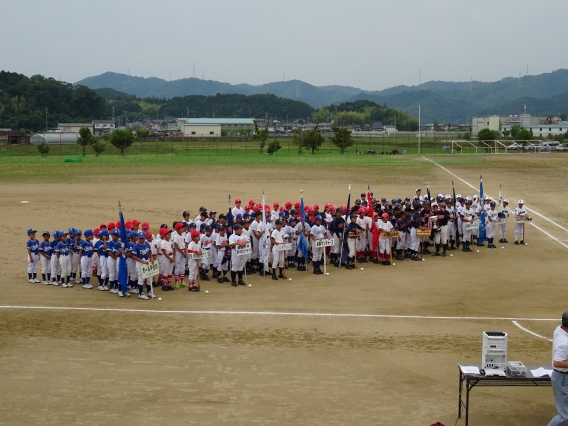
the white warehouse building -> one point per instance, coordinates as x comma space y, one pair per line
212, 127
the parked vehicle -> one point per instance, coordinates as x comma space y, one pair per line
515, 147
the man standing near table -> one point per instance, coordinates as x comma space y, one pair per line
560, 374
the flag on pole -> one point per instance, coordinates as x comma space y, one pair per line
369, 198
481, 231
500, 201
302, 243
345, 248
122, 268
428, 190
229, 219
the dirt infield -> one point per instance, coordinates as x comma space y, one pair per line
121, 368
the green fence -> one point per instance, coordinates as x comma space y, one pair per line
371, 150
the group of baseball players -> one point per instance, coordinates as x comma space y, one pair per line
259, 239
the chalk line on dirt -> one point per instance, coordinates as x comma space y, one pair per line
531, 332
531, 210
274, 313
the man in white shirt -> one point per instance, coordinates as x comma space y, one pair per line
559, 376
237, 209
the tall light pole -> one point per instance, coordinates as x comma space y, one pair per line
46, 129
419, 129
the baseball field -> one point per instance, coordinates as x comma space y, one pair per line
378, 346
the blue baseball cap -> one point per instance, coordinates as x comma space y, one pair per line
46, 233
78, 232
237, 226
141, 235
239, 216
318, 217
72, 231
247, 214
115, 232
88, 233
104, 233
31, 231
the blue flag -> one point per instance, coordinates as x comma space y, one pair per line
122, 268
229, 219
481, 232
302, 243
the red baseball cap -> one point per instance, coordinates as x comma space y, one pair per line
148, 234
194, 234
145, 225
111, 225
282, 209
238, 201
247, 207
96, 231
102, 225
179, 225
316, 206
288, 204
297, 205
275, 204
251, 202
128, 225
117, 224
135, 222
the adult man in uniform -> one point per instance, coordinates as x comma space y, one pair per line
559, 376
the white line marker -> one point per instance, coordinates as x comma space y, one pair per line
531, 210
273, 313
531, 332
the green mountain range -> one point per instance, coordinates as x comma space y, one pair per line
455, 102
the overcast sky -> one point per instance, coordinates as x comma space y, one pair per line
370, 44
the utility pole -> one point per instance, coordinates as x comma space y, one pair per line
419, 129
112, 113
46, 129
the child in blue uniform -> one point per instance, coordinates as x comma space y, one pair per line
45, 252
102, 249
55, 268
114, 247
86, 253
142, 255
33, 256
62, 254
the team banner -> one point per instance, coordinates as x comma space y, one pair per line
243, 251
196, 256
326, 242
150, 270
284, 247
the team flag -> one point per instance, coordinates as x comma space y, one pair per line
428, 190
369, 198
345, 248
122, 269
302, 243
481, 232
500, 201
229, 219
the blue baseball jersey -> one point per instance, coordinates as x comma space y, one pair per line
128, 247
46, 248
141, 251
33, 246
99, 248
62, 248
75, 248
87, 248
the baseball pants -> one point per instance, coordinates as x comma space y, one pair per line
384, 245
32, 266
237, 262
65, 263
466, 234
166, 267
520, 230
95, 264
112, 266
74, 257
255, 246
192, 268
142, 281
490, 230
503, 231
277, 257
442, 235
452, 231
103, 267
55, 267
336, 248
45, 265
351, 244
86, 264
179, 267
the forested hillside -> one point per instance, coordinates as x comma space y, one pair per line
23, 102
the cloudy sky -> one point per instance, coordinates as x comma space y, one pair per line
370, 44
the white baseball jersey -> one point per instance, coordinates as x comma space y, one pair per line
318, 231
278, 236
166, 246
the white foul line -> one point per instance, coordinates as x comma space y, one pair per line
531, 332
273, 313
534, 211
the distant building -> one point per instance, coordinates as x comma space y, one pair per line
11, 137
377, 126
55, 138
543, 130
212, 127
103, 126
480, 123
72, 127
